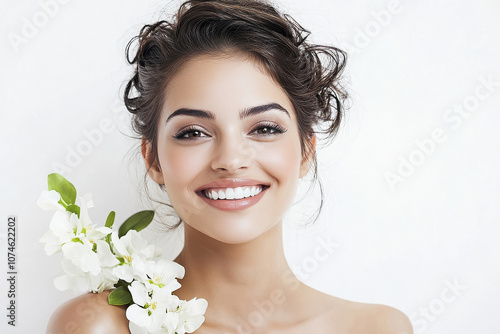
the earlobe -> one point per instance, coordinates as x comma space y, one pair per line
152, 167
307, 162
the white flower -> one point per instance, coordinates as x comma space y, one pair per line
190, 315
87, 259
67, 227
135, 329
86, 269
150, 308
73, 278
85, 229
106, 257
163, 274
86, 203
82, 256
49, 200
60, 232
133, 252
79, 281
91, 264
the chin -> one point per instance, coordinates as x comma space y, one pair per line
237, 231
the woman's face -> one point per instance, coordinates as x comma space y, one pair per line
226, 124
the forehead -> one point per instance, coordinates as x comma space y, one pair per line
222, 83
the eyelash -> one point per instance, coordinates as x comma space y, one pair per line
191, 129
277, 129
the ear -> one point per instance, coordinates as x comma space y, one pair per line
307, 162
152, 167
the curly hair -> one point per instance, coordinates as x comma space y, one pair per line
309, 73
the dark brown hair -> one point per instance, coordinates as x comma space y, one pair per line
308, 73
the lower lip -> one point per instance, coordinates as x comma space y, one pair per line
233, 204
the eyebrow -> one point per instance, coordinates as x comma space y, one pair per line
247, 112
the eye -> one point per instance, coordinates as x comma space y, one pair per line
268, 129
189, 133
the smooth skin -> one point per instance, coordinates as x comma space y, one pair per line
235, 259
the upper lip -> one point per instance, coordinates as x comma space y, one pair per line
231, 183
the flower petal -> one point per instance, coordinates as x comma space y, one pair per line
51, 241
61, 283
124, 272
118, 244
49, 200
139, 293
98, 233
138, 315
106, 258
170, 269
61, 225
135, 329
83, 257
86, 203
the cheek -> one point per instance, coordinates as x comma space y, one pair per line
282, 161
180, 166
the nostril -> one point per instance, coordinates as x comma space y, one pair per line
230, 159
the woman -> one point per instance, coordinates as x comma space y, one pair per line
227, 100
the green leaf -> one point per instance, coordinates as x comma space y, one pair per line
122, 283
74, 208
137, 221
58, 183
120, 296
110, 220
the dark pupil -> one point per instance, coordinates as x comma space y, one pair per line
264, 130
196, 133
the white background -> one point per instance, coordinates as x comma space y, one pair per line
412, 64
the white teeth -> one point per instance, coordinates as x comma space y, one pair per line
215, 195
253, 191
222, 194
232, 193
238, 193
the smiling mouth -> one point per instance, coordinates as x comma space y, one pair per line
228, 194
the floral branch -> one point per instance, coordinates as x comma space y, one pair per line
97, 259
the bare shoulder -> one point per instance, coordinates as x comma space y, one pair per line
88, 314
373, 318
361, 318
388, 320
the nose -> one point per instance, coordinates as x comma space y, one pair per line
232, 154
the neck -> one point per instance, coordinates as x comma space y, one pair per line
232, 277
